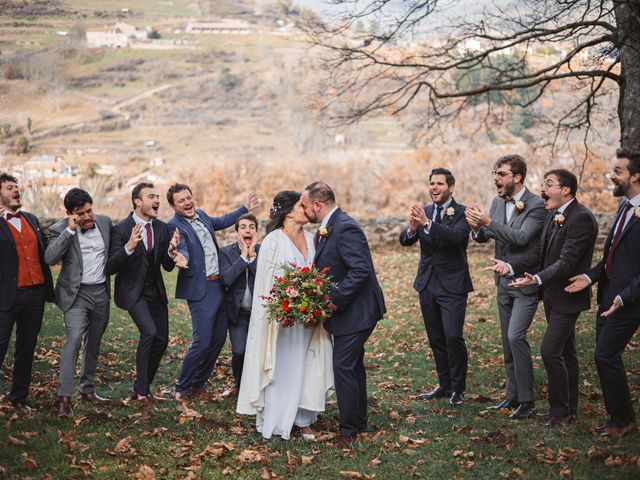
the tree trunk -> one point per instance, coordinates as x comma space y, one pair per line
628, 22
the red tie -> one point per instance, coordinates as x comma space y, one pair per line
316, 239
13, 215
149, 238
616, 237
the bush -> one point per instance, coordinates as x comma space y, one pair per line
22, 145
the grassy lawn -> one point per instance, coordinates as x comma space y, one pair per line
408, 438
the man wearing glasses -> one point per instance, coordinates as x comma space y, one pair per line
514, 222
565, 250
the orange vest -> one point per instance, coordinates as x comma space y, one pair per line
29, 268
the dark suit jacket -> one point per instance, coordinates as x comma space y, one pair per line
131, 270
234, 278
443, 252
191, 284
357, 295
515, 238
64, 246
562, 253
9, 263
625, 269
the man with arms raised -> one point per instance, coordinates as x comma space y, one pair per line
343, 248
618, 278
564, 250
140, 245
515, 220
443, 282
81, 242
200, 285
25, 284
238, 263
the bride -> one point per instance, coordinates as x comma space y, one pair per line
288, 372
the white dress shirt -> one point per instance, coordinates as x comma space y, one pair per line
15, 221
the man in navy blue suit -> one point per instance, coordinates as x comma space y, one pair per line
443, 282
618, 279
238, 271
200, 285
342, 247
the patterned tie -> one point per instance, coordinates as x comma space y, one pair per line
149, 237
616, 238
439, 214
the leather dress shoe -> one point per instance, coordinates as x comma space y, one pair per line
230, 392
437, 392
146, 403
524, 410
64, 407
345, 441
613, 431
94, 397
24, 406
506, 403
199, 391
180, 396
456, 399
560, 420
157, 398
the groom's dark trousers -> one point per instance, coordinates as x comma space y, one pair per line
443, 283
360, 304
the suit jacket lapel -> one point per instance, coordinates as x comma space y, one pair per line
630, 224
514, 215
75, 241
156, 239
5, 228
323, 241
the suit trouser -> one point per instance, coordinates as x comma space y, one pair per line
350, 379
151, 316
613, 333
443, 314
238, 333
26, 314
516, 311
558, 351
86, 319
209, 328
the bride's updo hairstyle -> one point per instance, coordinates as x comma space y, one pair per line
283, 203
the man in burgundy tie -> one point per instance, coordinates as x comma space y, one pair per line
618, 278
25, 284
140, 245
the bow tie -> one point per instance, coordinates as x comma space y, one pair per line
85, 230
14, 215
510, 200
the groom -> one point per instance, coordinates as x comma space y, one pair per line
342, 247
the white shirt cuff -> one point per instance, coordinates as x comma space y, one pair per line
538, 279
127, 250
511, 274
71, 232
410, 234
620, 298
588, 278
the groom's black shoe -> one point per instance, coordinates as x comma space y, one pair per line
437, 392
524, 410
506, 403
456, 399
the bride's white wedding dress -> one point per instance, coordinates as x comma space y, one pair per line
287, 372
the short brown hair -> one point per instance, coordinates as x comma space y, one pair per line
565, 178
247, 216
175, 188
5, 177
321, 192
634, 159
516, 163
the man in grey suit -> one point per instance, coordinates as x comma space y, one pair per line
515, 220
81, 242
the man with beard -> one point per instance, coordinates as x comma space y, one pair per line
565, 250
618, 278
342, 247
200, 284
443, 282
25, 284
515, 220
238, 263
140, 245
81, 242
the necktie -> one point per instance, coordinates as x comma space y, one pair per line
149, 238
13, 215
507, 201
85, 230
616, 237
439, 214
316, 238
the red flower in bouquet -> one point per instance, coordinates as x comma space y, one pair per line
301, 297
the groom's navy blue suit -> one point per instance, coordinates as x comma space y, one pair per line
360, 303
443, 283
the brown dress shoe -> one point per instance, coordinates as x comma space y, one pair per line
64, 407
344, 441
180, 396
612, 431
94, 397
199, 391
146, 403
157, 398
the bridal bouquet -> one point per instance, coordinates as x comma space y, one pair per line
300, 297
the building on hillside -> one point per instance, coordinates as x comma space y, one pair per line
119, 35
146, 176
220, 27
49, 173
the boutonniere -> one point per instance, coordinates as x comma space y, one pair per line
449, 213
559, 219
636, 212
324, 232
520, 206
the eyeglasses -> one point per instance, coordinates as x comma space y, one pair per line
548, 185
496, 173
